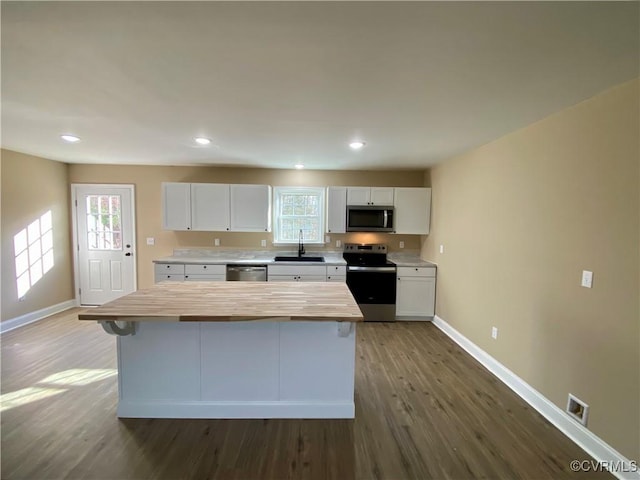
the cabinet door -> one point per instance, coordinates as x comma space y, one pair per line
382, 196
209, 207
336, 209
282, 278
168, 278
204, 278
250, 207
412, 210
176, 206
358, 196
415, 296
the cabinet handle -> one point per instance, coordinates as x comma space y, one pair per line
227, 229
168, 266
416, 269
204, 267
188, 228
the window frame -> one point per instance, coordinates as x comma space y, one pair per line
278, 192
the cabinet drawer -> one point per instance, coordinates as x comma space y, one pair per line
336, 278
297, 270
168, 268
205, 269
336, 270
205, 278
169, 278
416, 271
297, 278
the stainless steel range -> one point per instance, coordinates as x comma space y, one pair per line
372, 280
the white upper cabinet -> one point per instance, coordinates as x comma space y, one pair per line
336, 209
382, 195
215, 207
209, 207
176, 206
250, 208
412, 210
370, 196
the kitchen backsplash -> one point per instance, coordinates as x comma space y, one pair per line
253, 241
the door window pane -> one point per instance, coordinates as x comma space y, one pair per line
104, 231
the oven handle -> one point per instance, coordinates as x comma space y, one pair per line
351, 268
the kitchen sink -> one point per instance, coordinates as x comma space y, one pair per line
298, 259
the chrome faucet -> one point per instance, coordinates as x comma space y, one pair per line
300, 245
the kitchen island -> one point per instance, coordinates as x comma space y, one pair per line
234, 350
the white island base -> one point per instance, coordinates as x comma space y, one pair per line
238, 369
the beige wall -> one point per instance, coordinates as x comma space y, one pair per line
30, 187
520, 218
147, 180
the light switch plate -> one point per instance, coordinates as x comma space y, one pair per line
216, 242
263, 243
151, 241
401, 244
338, 243
587, 278
441, 248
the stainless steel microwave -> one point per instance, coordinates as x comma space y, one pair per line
369, 218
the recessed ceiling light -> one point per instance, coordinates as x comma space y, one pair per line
356, 145
70, 138
202, 141
299, 166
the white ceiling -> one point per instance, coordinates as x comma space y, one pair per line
276, 83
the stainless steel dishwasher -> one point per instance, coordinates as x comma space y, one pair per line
246, 273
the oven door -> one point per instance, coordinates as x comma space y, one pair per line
374, 289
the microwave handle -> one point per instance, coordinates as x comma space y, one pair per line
386, 218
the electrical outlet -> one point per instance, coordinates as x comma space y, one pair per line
327, 239
494, 333
216, 242
263, 243
577, 409
401, 244
441, 248
338, 243
587, 279
151, 241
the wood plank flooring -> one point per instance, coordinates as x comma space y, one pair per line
424, 410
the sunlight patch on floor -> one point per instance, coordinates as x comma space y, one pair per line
75, 377
27, 395
79, 376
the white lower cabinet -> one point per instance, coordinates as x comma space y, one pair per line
415, 293
201, 273
336, 273
306, 273
168, 272
179, 272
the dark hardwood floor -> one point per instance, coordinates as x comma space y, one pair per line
424, 410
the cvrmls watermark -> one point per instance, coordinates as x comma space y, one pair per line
617, 466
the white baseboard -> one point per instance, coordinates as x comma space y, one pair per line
31, 317
609, 458
219, 409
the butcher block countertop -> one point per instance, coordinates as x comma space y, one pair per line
232, 301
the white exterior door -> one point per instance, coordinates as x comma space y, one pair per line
105, 260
